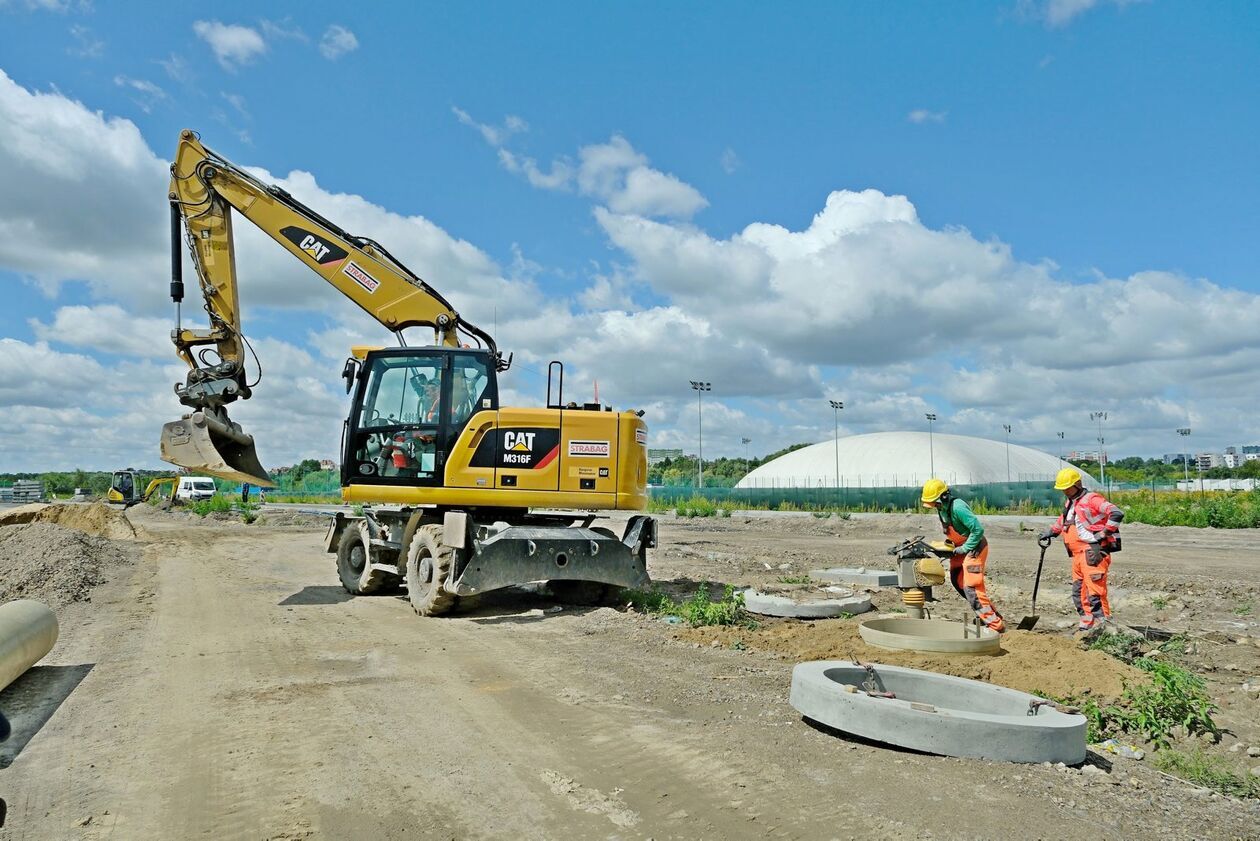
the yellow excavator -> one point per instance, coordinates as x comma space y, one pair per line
124, 488
466, 495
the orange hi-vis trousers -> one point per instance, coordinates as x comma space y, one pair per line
1089, 583
967, 576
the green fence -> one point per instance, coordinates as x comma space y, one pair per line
1038, 494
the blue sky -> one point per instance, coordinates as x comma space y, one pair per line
1078, 228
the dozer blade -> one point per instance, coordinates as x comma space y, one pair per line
205, 444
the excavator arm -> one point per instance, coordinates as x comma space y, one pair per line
205, 190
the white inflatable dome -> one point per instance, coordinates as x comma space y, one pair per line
902, 460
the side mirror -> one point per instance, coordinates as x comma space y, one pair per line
348, 373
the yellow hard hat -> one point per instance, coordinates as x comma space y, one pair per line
933, 489
1067, 477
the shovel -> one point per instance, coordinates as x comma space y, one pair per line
1029, 622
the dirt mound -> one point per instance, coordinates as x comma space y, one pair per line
55, 564
1030, 662
295, 519
97, 519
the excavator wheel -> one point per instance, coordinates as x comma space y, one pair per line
428, 567
354, 566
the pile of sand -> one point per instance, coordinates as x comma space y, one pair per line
97, 518
1029, 662
56, 554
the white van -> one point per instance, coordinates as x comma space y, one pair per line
193, 488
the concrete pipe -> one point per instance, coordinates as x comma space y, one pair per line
28, 631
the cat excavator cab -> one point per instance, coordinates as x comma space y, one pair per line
455, 482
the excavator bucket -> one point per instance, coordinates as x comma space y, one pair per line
203, 443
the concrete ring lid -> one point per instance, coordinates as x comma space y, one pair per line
936, 713
768, 605
933, 635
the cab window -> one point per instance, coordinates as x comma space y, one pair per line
404, 391
469, 379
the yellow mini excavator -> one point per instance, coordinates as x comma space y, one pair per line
124, 488
454, 480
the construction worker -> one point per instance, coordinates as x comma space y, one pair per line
1089, 525
971, 550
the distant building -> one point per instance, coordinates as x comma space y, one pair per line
1251, 450
657, 456
1209, 460
1232, 459
1175, 458
1083, 455
327, 464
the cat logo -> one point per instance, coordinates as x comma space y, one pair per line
521, 442
314, 246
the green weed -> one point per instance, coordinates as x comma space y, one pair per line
1243, 609
795, 579
216, 503
1174, 697
649, 601
1159, 602
1207, 771
699, 610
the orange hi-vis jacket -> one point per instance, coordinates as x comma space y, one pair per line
1091, 517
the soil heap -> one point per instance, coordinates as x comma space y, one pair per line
56, 554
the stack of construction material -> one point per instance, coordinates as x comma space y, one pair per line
27, 490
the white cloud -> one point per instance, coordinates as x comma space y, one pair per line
613, 173
730, 161
233, 45
337, 41
923, 115
87, 44
46, 5
865, 303
146, 94
54, 154
238, 103
176, 67
1059, 13
283, 30
108, 328
494, 135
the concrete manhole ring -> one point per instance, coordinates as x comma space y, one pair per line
932, 635
936, 713
768, 605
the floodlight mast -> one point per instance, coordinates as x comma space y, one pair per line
931, 416
699, 387
836, 406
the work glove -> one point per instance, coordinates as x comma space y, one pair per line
1093, 555
1046, 535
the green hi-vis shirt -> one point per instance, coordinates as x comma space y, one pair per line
965, 523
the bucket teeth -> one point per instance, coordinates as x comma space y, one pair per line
205, 443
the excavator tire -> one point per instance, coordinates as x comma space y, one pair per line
353, 564
428, 567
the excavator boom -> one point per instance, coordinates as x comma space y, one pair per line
205, 191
